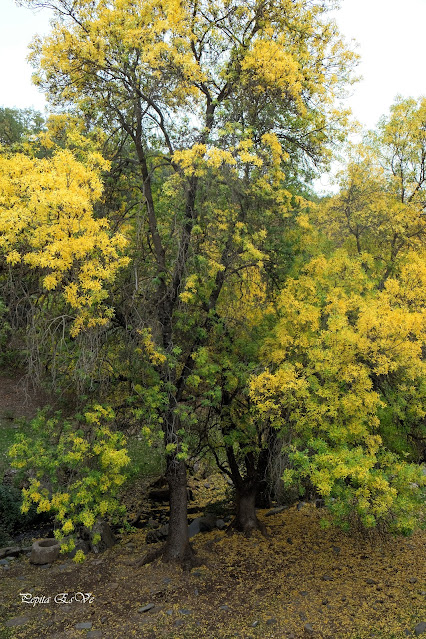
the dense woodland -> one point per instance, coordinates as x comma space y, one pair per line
168, 272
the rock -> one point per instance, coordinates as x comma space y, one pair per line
255, 624
220, 524
80, 544
94, 634
371, 582
107, 540
83, 625
184, 611
4, 562
289, 540
149, 606
275, 511
224, 607
207, 523
327, 578
271, 621
166, 580
159, 495
45, 551
308, 628
304, 593
301, 505
412, 580
13, 551
207, 485
193, 528
16, 621
152, 523
420, 629
160, 534
178, 622
336, 549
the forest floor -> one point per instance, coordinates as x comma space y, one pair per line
300, 581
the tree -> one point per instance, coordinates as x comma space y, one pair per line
346, 380
340, 345
18, 123
212, 102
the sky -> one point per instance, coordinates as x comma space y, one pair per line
390, 36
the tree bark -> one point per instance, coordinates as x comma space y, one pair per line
246, 488
178, 548
245, 516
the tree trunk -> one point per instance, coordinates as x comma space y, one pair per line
178, 548
245, 508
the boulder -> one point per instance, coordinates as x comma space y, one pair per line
45, 551
107, 537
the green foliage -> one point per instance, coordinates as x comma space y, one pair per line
77, 469
17, 123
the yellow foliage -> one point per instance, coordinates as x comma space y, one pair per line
47, 223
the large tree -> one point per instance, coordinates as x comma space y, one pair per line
214, 102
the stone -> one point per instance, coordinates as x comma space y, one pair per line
160, 534
184, 611
16, 621
149, 606
80, 544
420, 629
4, 562
159, 495
166, 580
412, 580
301, 505
255, 624
45, 551
220, 524
308, 628
178, 622
103, 529
94, 634
83, 625
271, 621
327, 578
10, 551
207, 523
224, 607
371, 582
194, 527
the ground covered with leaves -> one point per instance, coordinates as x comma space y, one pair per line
299, 581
